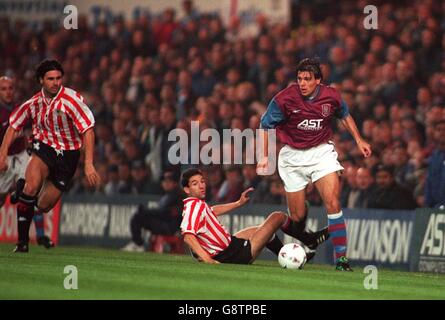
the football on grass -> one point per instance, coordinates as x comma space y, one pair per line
292, 256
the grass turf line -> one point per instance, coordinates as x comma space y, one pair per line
112, 274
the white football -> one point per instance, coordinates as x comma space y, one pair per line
292, 256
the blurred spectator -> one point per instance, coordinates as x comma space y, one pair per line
262, 73
340, 66
276, 194
163, 30
250, 177
388, 194
112, 186
232, 187
164, 220
190, 13
360, 196
349, 183
124, 173
435, 180
141, 182
402, 169
215, 177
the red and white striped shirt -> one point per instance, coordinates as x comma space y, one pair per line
199, 219
59, 122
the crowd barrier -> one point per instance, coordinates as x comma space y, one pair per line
401, 240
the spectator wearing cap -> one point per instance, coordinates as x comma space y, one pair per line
164, 220
435, 180
388, 194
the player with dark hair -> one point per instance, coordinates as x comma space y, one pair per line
302, 115
61, 124
18, 158
209, 240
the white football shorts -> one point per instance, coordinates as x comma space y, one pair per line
298, 167
16, 169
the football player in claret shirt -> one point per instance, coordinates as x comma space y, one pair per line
302, 115
61, 124
18, 158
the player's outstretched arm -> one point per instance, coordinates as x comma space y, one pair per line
364, 147
224, 208
91, 174
10, 135
193, 243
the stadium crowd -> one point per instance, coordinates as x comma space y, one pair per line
146, 76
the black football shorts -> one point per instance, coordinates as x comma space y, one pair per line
238, 251
62, 164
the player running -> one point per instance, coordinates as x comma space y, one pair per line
61, 124
302, 115
18, 158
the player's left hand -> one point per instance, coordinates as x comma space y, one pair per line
244, 197
92, 176
365, 148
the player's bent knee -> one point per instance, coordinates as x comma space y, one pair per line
31, 189
278, 214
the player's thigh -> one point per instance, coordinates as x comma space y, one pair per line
35, 174
295, 177
246, 233
295, 204
329, 189
48, 196
265, 231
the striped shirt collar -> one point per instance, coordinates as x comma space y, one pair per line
49, 101
190, 199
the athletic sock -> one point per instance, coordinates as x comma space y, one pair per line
337, 231
39, 223
275, 244
24, 218
294, 228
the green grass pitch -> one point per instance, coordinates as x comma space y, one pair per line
112, 274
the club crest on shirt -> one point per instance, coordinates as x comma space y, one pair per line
325, 110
